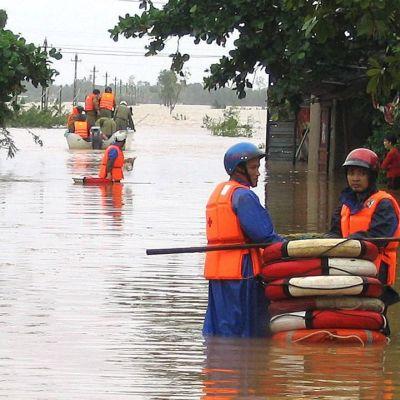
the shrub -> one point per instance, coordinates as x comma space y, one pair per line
229, 125
36, 118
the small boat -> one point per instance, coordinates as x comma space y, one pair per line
75, 142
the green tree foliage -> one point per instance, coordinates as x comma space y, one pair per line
145, 93
229, 124
170, 88
20, 61
34, 117
349, 46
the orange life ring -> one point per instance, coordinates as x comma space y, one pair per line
328, 319
318, 266
339, 336
312, 248
323, 286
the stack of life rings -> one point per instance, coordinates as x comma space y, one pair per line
324, 290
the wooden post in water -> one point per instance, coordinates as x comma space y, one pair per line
314, 135
332, 139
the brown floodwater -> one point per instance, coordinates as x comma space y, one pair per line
85, 314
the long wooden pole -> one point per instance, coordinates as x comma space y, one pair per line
203, 249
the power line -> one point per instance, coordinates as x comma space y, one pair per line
139, 1
131, 54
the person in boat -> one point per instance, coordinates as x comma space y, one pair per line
391, 163
82, 127
237, 306
107, 103
92, 106
366, 212
123, 117
76, 111
112, 163
107, 127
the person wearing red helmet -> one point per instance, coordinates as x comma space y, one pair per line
237, 306
366, 212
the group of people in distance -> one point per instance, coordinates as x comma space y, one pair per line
237, 306
100, 110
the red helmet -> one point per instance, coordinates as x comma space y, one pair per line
365, 158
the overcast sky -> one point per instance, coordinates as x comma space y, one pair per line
81, 27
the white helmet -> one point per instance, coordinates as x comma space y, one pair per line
120, 136
123, 103
95, 129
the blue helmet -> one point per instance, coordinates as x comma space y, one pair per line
240, 152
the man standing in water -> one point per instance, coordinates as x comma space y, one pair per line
123, 117
113, 159
237, 305
366, 212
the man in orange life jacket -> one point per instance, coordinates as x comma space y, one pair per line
112, 162
236, 302
92, 106
366, 212
107, 103
76, 111
82, 127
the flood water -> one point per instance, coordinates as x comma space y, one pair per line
85, 314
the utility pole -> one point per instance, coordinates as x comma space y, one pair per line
115, 85
120, 88
43, 100
106, 76
75, 60
60, 101
94, 76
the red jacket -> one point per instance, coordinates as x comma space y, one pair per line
391, 163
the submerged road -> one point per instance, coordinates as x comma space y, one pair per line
85, 314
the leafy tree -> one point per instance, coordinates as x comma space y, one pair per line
19, 62
337, 47
229, 124
170, 88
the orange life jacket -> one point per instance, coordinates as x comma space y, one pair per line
223, 227
70, 119
361, 221
82, 129
116, 172
89, 105
107, 101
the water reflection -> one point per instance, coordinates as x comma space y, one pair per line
300, 201
255, 368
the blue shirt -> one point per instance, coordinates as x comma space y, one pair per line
112, 154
